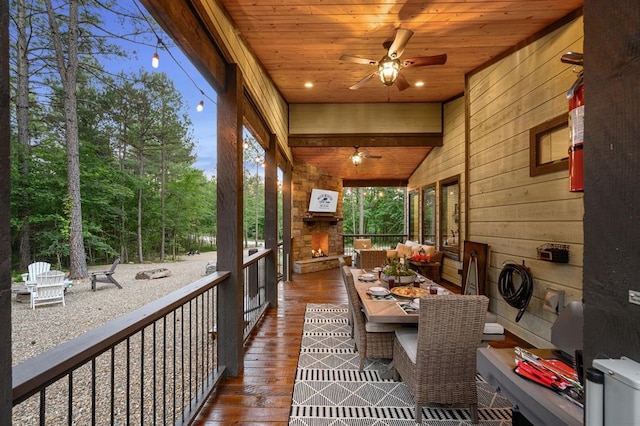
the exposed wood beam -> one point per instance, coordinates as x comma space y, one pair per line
185, 27
364, 140
254, 121
359, 183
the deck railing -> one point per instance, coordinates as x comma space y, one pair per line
382, 241
155, 365
255, 296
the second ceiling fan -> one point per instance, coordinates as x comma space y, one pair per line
357, 156
388, 68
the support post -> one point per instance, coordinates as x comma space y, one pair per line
287, 173
271, 221
230, 202
6, 394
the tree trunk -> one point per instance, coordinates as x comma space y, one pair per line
163, 194
361, 212
255, 200
139, 222
68, 75
22, 121
353, 212
124, 254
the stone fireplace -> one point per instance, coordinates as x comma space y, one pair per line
311, 232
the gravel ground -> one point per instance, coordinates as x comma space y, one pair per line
35, 331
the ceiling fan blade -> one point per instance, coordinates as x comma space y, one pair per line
399, 43
402, 83
421, 61
365, 154
363, 81
357, 60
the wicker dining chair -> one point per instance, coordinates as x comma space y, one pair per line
438, 361
362, 243
369, 259
372, 340
343, 263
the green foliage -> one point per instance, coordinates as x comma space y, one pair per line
253, 178
135, 151
141, 194
381, 210
398, 267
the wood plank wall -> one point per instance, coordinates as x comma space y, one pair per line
365, 118
443, 163
509, 210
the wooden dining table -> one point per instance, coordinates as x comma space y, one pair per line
388, 310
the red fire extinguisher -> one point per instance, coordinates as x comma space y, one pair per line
576, 135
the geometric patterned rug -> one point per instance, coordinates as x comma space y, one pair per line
330, 390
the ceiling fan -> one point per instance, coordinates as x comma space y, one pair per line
388, 68
357, 156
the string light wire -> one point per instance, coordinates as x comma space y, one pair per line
200, 106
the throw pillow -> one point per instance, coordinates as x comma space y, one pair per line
404, 250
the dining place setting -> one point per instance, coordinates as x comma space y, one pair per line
388, 299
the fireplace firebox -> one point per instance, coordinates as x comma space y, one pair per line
319, 244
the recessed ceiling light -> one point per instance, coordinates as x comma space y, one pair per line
419, 83
308, 84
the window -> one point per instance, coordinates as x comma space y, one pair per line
450, 217
549, 146
414, 216
429, 215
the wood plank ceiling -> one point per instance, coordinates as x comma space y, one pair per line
302, 41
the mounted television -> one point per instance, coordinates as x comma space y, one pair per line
323, 201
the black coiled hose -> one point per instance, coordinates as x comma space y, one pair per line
519, 298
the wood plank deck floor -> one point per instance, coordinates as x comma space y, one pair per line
262, 393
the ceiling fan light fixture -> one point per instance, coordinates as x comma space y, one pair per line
388, 70
356, 159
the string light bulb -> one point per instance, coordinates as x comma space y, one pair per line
155, 59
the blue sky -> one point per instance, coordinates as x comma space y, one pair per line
186, 78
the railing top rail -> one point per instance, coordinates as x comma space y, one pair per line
256, 257
49, 366
374, 235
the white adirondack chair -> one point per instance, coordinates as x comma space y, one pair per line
34, 269
49, 289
